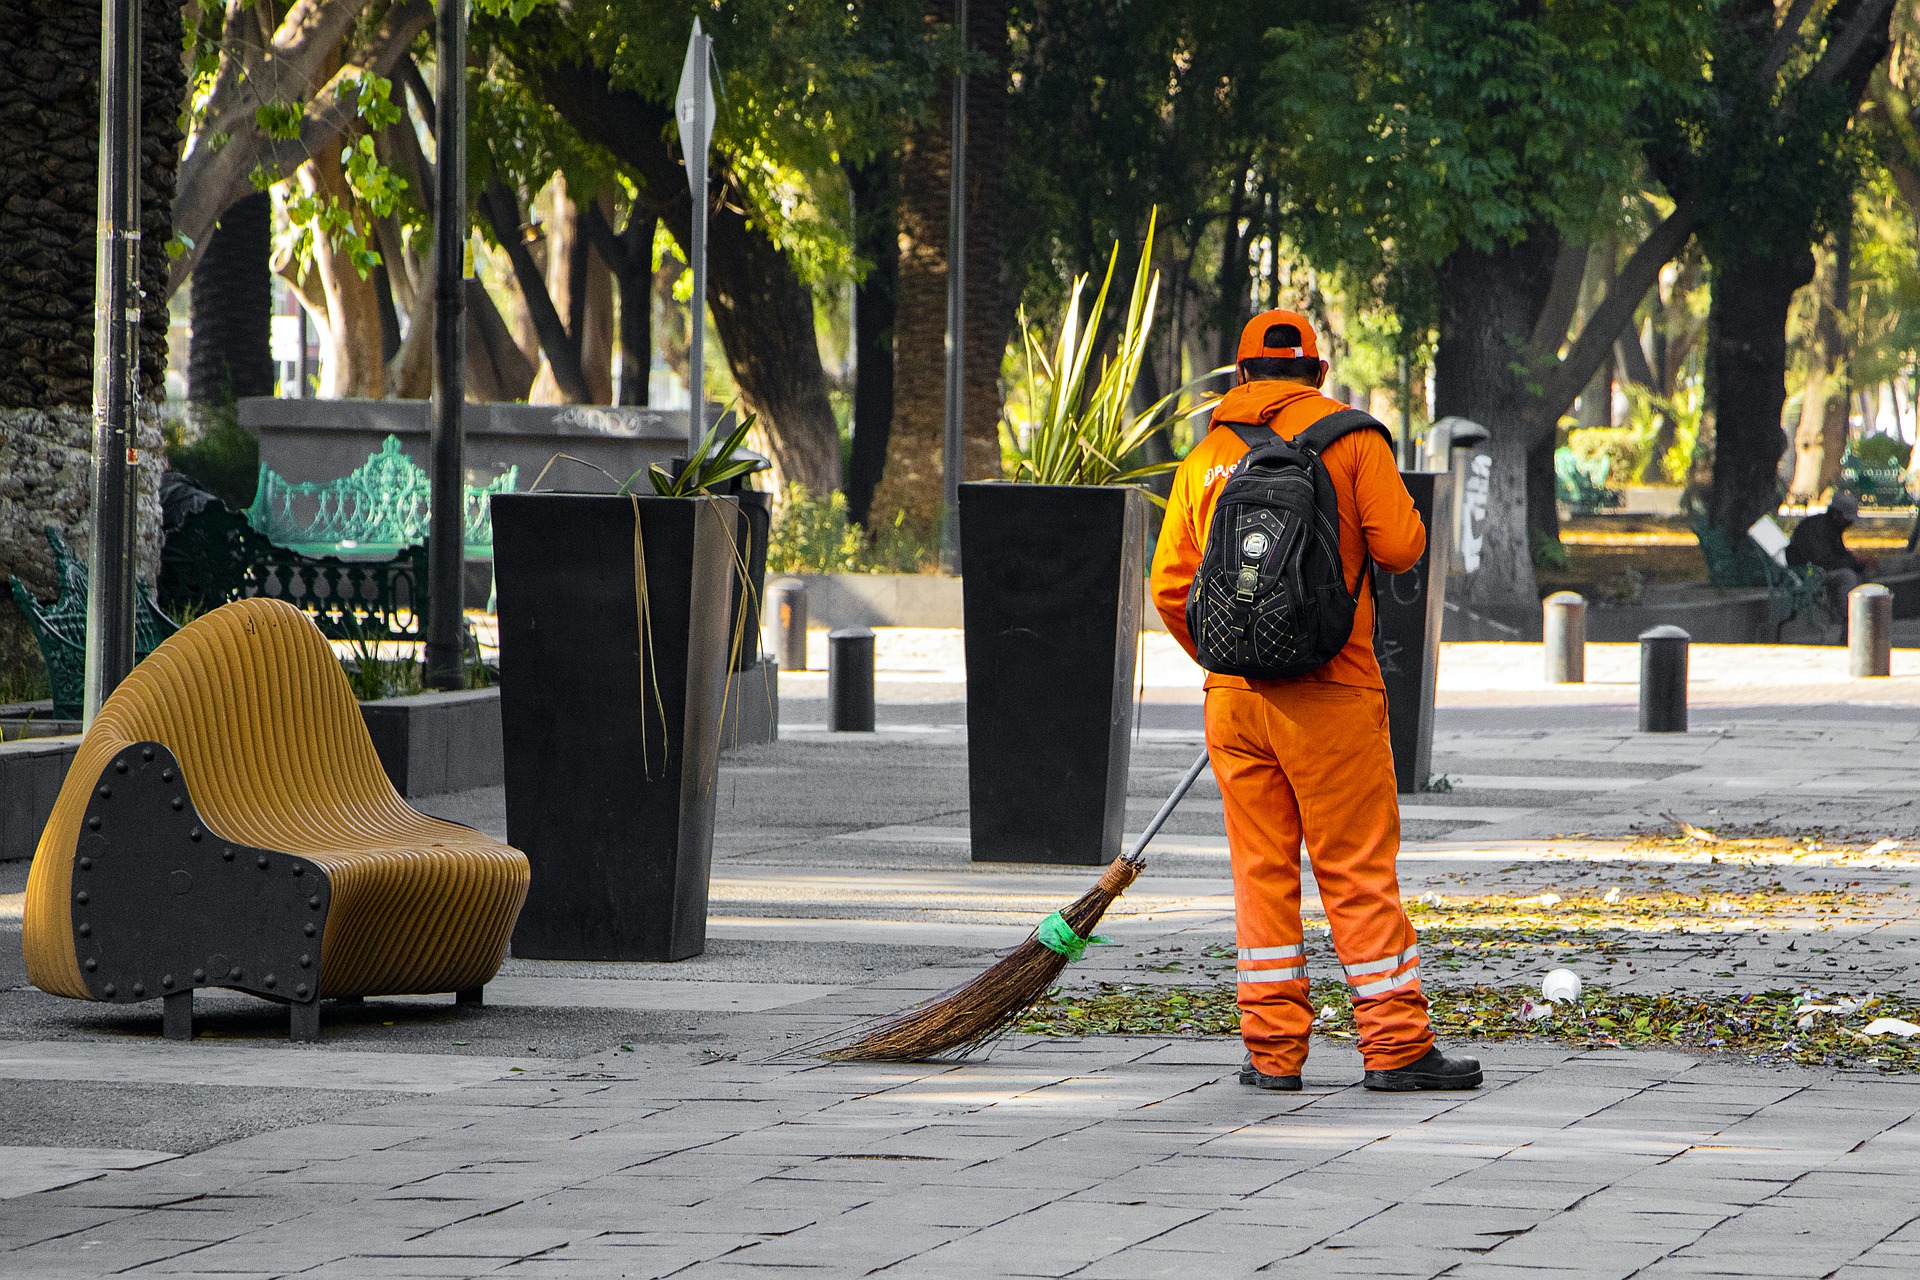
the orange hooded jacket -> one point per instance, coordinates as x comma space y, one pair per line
1376, 514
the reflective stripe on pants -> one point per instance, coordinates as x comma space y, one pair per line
1311, 759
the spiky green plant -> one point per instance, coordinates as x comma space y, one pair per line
713, 463
1082, 432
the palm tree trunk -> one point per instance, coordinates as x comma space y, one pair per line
232, 294
49, 63
912, 483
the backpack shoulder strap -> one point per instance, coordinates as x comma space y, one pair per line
1339, 423
1252, 434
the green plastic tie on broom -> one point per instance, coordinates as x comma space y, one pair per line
1055, 934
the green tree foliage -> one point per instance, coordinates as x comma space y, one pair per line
801, 84
1406, 132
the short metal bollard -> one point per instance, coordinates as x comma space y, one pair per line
1563, 624
786, 615
1663, 680
1869, 631
850, 680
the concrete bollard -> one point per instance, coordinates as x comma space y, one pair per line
850, 680
1869, 631
1563, 624
786, 615
1663, 680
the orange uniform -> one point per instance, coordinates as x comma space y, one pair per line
1308, 756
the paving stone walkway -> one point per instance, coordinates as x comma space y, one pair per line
628, 1120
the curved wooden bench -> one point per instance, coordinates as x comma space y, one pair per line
226, 823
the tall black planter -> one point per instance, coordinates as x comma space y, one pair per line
610, 786
1053, 592
1412, 606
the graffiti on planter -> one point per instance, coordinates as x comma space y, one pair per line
1473, 510
1388, 653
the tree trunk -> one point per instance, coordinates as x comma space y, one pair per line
1489, 304
582, 292
634, 278
1234, 270
1747, 383
1596, 401
354, 367
560, 353
1820, 442
912, 483
760, 306
876, 214
629, 259
49, 119
232, 297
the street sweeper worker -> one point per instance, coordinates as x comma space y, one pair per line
1306, 754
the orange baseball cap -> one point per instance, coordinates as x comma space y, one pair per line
1265, 338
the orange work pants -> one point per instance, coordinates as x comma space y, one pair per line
1312, 759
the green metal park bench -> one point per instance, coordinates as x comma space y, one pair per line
1877, 486
376, 511
60, 626
216, 556
1581, 483
1793, 591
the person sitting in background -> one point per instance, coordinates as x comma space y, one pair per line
1818, 541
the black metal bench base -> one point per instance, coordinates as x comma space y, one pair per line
303, 1027
162, 905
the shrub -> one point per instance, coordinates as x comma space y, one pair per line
1622, 447
815, 535
1880, 451
224, 458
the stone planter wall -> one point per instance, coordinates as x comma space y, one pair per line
435, 742
320, 440
31, 771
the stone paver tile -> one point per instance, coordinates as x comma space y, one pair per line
374, 1266
1053, 1240
943, 1205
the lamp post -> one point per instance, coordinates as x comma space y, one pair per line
951, 455
116, 359
446, 529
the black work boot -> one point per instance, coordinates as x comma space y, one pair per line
1435, 1071
1258, 1079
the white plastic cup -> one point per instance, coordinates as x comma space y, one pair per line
1562, 985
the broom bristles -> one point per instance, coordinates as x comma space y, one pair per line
973, 1015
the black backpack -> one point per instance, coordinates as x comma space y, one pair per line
1271, 600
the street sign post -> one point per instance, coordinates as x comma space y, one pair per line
952, 450
693, 108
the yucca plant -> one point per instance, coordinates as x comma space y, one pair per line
1082, 432
713, 463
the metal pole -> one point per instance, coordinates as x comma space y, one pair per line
850, 680
116, 359
1406, 414
951, 453
1869, 631
697, 173
304, 368
787, 608
1563, 628
1663, 680
446, 536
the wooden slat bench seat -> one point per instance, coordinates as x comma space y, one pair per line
226, 823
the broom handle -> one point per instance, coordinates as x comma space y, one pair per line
1138, 853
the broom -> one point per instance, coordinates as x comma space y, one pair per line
971, 1016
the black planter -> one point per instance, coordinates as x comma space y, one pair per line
1412, 608
1052, 588
756, 527
610, 788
